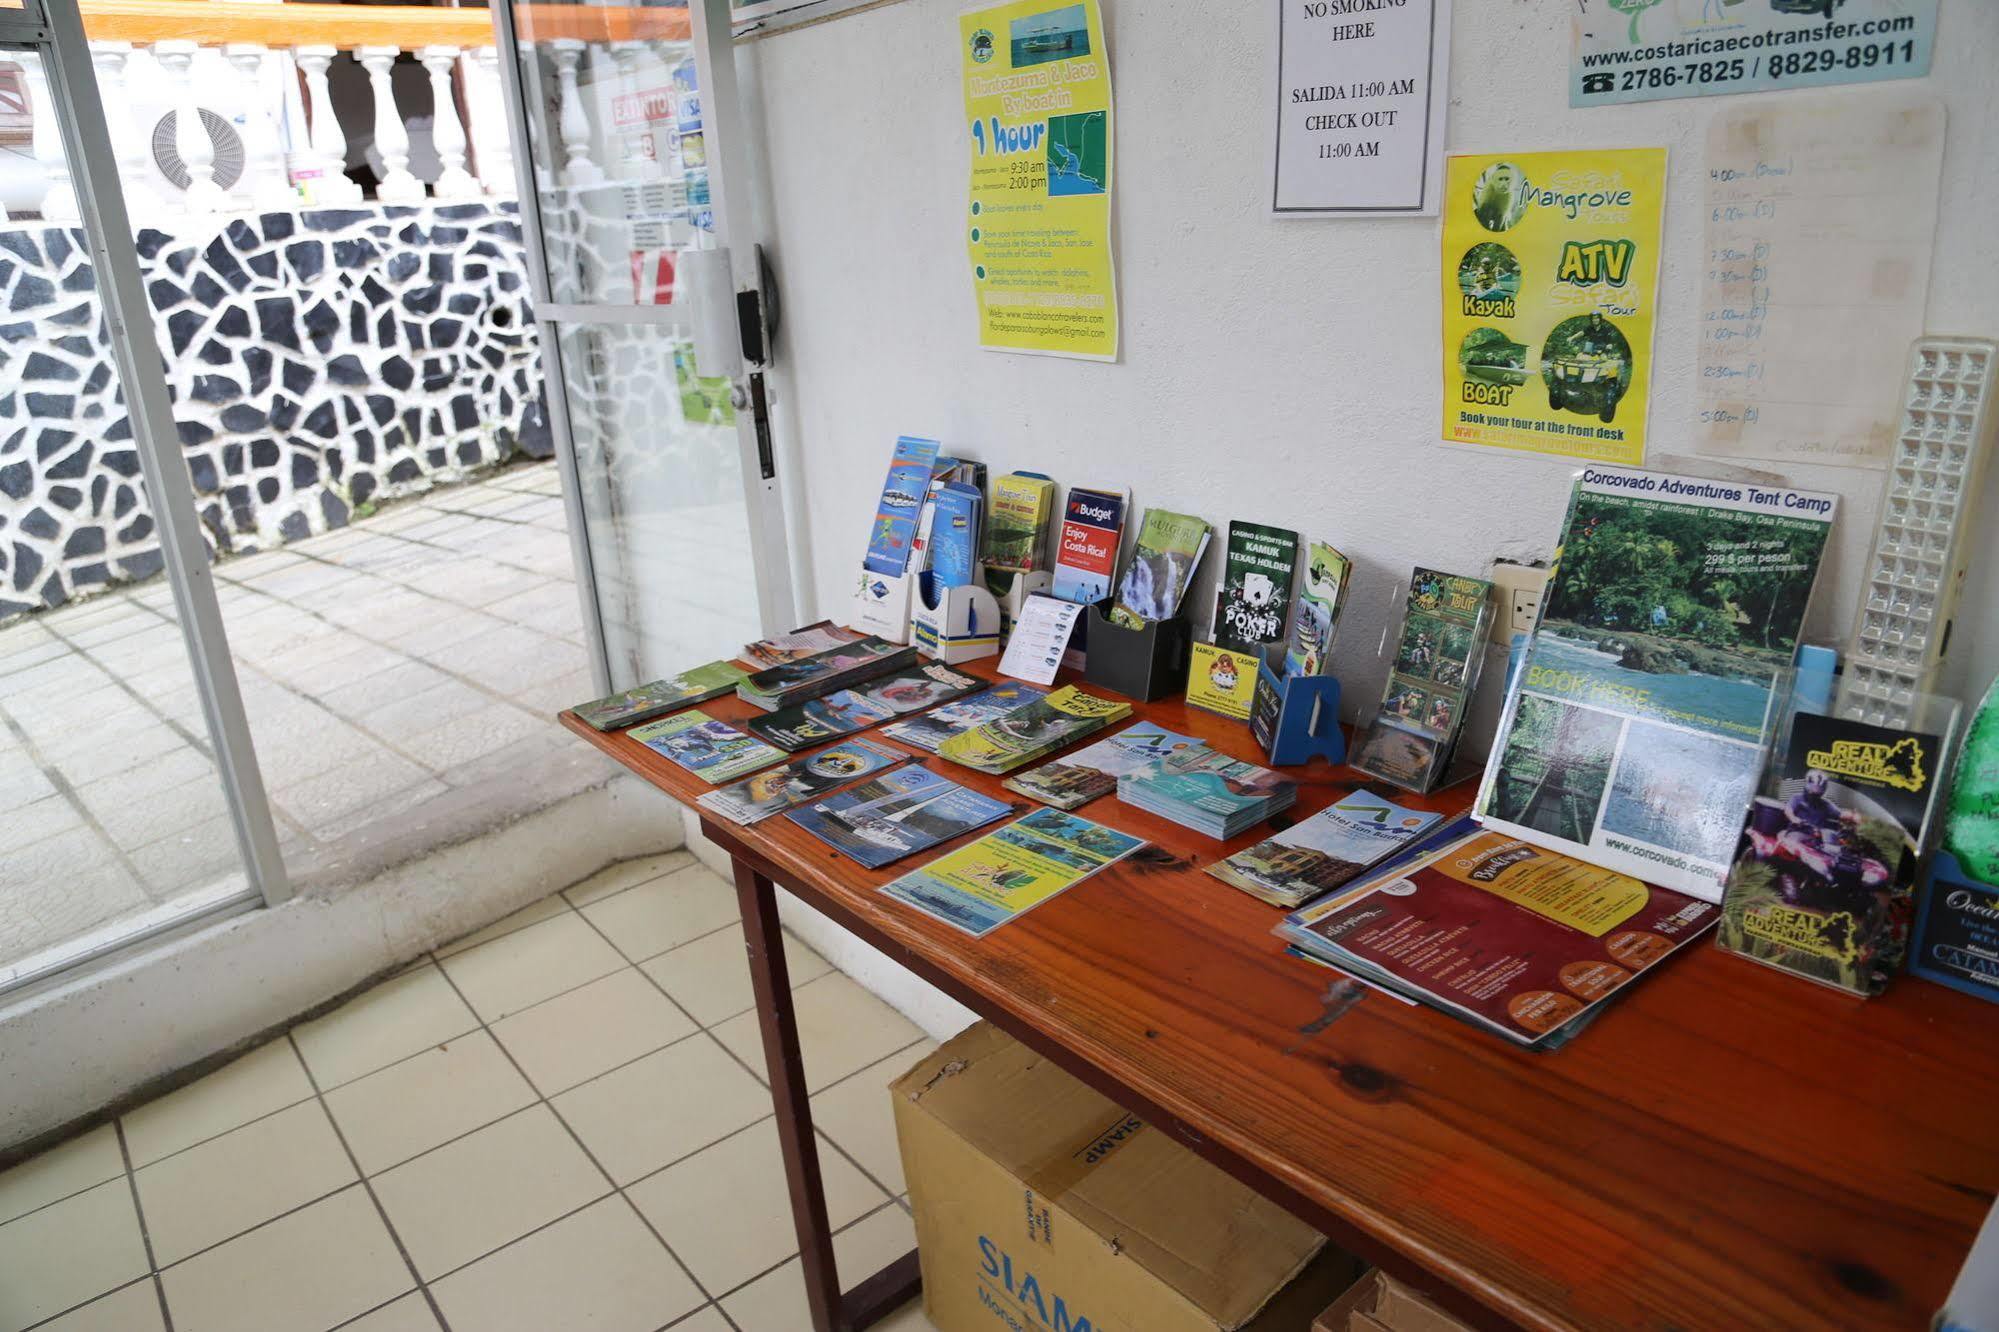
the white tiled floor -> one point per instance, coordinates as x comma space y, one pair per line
558, 1123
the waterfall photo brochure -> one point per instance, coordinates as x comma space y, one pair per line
931, 729
1092, 771
1170, 546
848, 710
714, 751
1636, 735
891, 816
1011, 870
1330, 849
775, 790
1517, 940
649, 700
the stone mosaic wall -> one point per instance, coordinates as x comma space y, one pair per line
318, 360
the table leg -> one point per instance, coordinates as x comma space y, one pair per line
893, 1286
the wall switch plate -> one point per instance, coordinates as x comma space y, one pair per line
1519, 588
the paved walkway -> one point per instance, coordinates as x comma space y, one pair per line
400, 677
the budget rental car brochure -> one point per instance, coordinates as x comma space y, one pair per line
1519, 940
1013, 869
1636, 735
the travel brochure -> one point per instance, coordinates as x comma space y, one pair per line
1516, 939
775, 790
1667, 632
1255, 593
1017, 528
650, 700
892, 538
779, 649
1039, 637
1092, 771
930, 729
714, 751
1319, 604
1222, 680
848, 710
1326, 851
1823, 873
1206, 790
821, 673
1438, 651
1011, 870
1170, 546
1086, 555
888, 817
1025, 734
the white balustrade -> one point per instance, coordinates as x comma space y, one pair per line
264, 184
192, 143
112, 62
326, 145
574, 122
641, 150
392, 139
59, 203
486, 110
447, 132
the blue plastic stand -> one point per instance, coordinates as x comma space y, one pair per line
1297, 718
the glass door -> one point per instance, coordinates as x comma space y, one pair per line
627, 128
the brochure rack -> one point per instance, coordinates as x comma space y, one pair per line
954, 624
1296, 718
1411, 746
882, 604
1143, 663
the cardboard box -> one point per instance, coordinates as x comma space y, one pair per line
1042, 1207
1379, 1303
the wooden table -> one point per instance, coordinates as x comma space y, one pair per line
1726, 1147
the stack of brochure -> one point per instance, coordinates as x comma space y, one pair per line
1514, 939
650, 700
845, 711
896, 814
1028, 733
936, 726
1332, 848
1075, 780
823, 672
1207, 791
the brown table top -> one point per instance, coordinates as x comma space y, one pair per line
1726, 1146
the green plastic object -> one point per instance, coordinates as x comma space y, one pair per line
1971, 833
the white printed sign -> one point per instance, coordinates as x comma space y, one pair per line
1360, 107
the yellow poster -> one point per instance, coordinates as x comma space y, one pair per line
1551, 285
1038, 121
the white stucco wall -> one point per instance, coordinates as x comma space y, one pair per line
1287, 372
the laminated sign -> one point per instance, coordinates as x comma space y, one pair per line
1038, 224
1551, 281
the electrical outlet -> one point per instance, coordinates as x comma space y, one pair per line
1518, 588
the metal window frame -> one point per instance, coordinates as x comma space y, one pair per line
724, 128
58, 36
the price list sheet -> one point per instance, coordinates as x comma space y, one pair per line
1821, 214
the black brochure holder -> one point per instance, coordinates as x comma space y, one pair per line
1143, 663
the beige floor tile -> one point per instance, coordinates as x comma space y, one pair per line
707, 1320
315, 1268
411, 1313
268, 1078
468, 1198
133, 1308
776, 1302
532, 913
665, 913
245, 1177
665, 1106
521, 969
590, 1030
909, 1318
600, 1269
391, 1115
407, 1013
67, 1253
858, 1114
625, 874
710, 977
76, 1165
727, 1213
841, 1029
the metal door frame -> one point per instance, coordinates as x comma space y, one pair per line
723, 127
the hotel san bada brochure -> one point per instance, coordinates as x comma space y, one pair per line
649, 700
848, 710
1011, 870
775, 790
1513, 938
888, 817
712, 750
